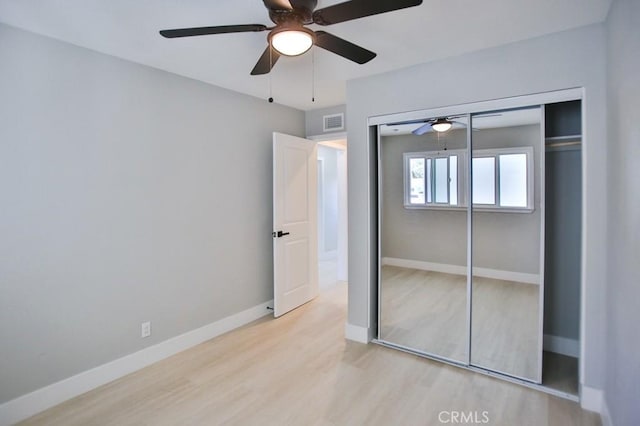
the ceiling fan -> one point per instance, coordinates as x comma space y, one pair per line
290, 37
441, 124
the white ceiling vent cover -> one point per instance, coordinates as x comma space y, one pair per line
333, 122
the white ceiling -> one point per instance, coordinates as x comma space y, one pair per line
438, 28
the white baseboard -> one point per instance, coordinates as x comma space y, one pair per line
591, 399
357, 333
32, 403
497, 274
561, 345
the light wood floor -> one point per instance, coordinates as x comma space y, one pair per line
560, 372
427, 310
299, 370
505, 327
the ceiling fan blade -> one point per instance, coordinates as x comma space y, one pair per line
465, 125
422, 129
266, 62
355, 9
222, 29
343, 48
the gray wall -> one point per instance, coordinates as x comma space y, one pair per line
569, 59
509, 241
425, 235
128, 194
622, 391
502, 241
314, 120
563, 222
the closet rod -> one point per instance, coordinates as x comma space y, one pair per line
557, 144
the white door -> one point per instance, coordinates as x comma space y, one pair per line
295, 246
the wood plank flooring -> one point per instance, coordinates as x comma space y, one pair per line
505, 328
299, 370
427, 311
560, 372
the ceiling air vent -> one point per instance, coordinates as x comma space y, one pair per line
333, 122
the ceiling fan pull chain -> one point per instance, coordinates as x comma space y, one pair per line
313, 74
270, 66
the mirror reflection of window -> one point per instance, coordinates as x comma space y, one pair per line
484, 180
453, 180
428, 177
442, 180
435, 179
513, 180
416, 182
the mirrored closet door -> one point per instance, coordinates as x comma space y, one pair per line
461, 214
507, 219
423, 286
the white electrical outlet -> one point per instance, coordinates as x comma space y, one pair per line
146, 329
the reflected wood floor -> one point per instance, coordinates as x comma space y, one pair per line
299, 370
505, 329
427, 310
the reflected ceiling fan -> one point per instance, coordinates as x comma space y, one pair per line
443, 124
440, 125
290, 37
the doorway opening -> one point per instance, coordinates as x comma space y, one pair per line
295, 220
332, 213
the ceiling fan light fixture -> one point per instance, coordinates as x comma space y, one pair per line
291, 41
441, 125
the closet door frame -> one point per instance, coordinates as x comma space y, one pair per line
532, 100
